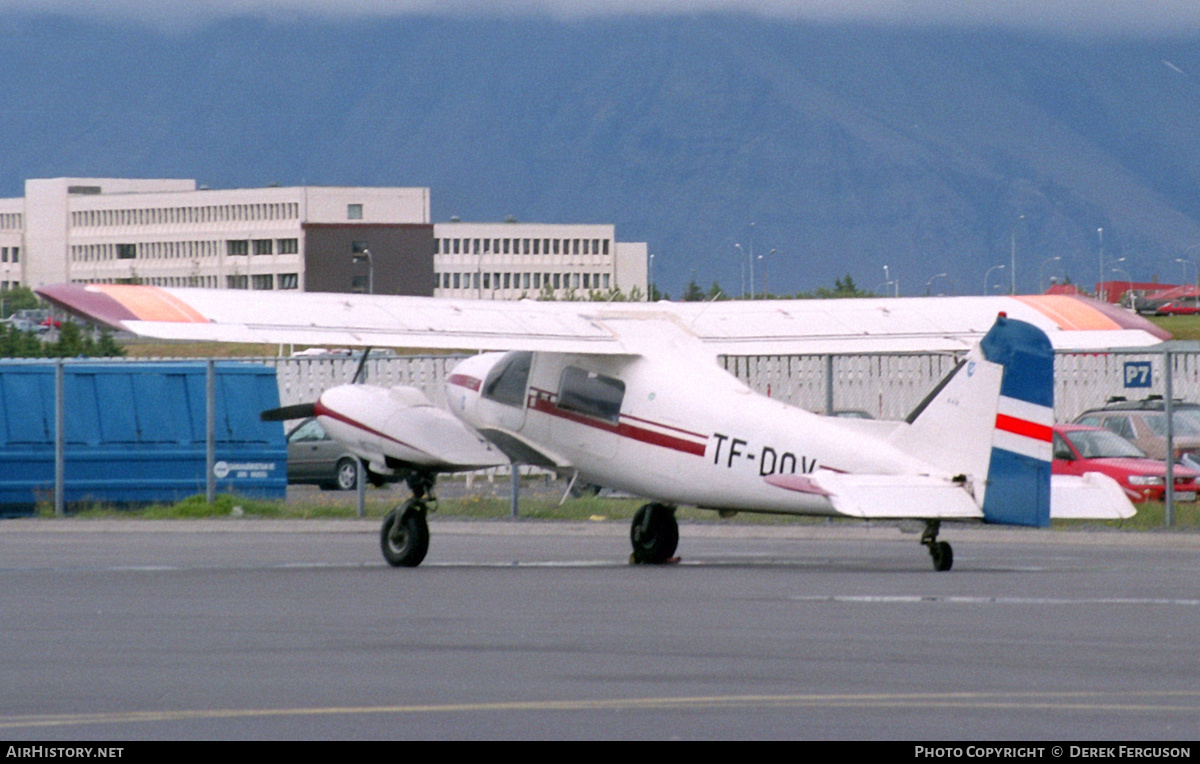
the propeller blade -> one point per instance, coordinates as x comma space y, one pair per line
298, 411
359, 376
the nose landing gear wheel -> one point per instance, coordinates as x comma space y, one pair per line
404, 537
654, 533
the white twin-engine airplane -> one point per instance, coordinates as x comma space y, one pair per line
630, 396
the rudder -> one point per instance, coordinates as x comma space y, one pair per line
1018, 482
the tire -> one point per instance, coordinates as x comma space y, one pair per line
942, 554
346, 474
654, 534
404, 537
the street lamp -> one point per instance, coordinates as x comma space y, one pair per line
1099, 293
1185, 264
1043, 268
751, 260
988, 275
895, 285
650, 294
931, 278
742, 260
1128, 280
1013, 252
764, 278
364, 255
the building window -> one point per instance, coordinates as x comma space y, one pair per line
354, 212
236, 282
289, 246
264, 246
358, 247
289, 281
358, 284
236, 247
126, 251
263, 281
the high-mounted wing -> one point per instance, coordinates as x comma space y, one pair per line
731, 327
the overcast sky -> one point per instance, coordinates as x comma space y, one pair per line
1074, 17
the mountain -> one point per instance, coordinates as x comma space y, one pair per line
844, 149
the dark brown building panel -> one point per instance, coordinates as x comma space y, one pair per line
402, 255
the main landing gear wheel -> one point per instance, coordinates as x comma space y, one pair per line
654, 533
404, 537
940, 551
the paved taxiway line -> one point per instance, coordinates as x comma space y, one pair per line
1152, 701
614, 528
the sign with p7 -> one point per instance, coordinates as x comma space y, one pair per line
1137, 374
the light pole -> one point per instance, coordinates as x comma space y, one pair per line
650, 294
1013, 253
1099, 292
764, 278
1043, 268
1128, 280
751, 260
1192, 285
742, 260
988, 275
931, 278
365, 255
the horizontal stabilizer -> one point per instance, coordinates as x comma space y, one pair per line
1091, 497
896, 496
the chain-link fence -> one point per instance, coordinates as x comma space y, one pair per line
880, 386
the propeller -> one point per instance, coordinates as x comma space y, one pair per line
283, 413
305, 410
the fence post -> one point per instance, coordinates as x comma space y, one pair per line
516, 490
59, 440
829, 385
1168, 388
360, 485
210, 431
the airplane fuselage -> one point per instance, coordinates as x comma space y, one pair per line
676, 431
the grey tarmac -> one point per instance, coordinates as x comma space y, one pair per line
264, 629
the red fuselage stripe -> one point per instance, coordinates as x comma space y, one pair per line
464, 380
1024, 427
622, 429
321, 410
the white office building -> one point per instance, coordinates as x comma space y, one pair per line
314, 238
505, 261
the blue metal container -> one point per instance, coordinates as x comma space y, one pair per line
136, 432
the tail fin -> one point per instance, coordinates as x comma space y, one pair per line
991, 422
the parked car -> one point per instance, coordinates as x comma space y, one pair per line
1079, 449
1184, 307
1144, 423
314, 457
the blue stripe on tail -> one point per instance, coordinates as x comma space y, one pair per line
1018, 485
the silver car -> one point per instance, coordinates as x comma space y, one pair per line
314, 457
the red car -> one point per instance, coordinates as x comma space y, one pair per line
1185, 307
1079, 449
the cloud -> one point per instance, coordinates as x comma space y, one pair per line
1075, 17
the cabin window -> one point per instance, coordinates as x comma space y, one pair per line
595, 395
507, 380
